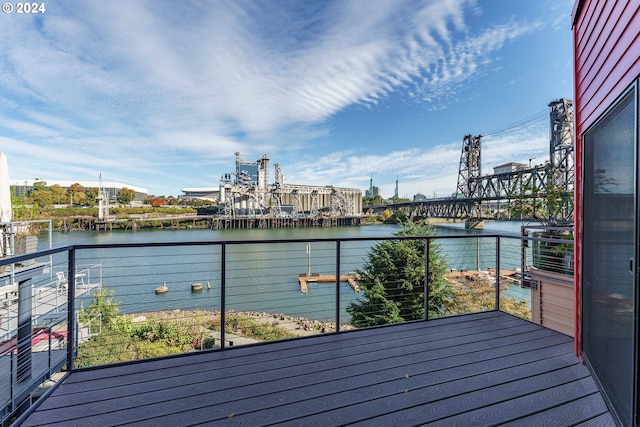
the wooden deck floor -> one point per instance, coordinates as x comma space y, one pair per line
474, 370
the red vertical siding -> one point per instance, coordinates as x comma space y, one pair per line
607, 55
606, 61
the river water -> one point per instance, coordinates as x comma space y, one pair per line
261, 277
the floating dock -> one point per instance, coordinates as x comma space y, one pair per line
304, 278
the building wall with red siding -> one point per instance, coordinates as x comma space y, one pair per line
606, 37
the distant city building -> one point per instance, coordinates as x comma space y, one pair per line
24, 187
207, 194
509, 167
372, 193
418, 197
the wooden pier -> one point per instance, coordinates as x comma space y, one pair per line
304, 278
193, 221
217, 222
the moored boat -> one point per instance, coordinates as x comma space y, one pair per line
162, 289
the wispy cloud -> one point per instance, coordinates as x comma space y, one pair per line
431, 170
119, 79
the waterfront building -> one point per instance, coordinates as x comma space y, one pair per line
509, 167
207, 194
248, 192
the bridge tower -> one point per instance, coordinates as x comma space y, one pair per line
470, 165
561, 173
469, 172
561, 156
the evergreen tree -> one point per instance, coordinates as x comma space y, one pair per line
392, 280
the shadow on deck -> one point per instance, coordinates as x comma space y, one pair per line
481, 369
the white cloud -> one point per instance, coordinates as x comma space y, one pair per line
427, 171
92, 83
223, 67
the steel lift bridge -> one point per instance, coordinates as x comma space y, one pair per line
542, 192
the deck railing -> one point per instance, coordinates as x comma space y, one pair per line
120, 302
551, 248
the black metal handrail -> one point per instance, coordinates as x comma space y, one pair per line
72, 252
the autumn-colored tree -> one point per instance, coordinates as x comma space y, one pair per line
41, 195
39, 185
58, 194
158, 201
92, 196
126, 195
76, 194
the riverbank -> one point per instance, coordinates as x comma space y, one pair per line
291, 326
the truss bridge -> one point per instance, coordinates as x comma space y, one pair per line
514, 191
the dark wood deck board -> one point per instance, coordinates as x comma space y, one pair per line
434, 402
375, 374
355, 354
464, 370
375, 399
604, 420
257, 376
297, 377
584, 409
292, 348
370, 335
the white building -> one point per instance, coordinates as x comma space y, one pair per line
509, 167
207, 194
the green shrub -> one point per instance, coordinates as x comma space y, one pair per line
107, 347
259, 331
182, 333
100, 311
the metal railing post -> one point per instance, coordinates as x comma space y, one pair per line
49, 330
223, 285
337, 285
12, 384
497, 273
71, 317
426, 278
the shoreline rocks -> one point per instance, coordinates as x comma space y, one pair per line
295, 325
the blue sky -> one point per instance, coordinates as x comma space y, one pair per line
160, 94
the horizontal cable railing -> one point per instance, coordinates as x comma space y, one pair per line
87, 305
550, 249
